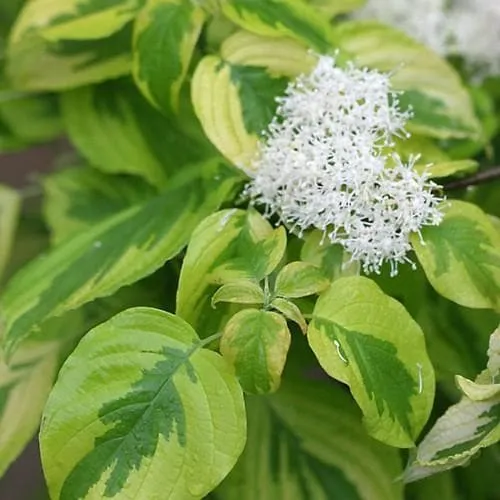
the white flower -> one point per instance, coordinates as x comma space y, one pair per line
475, 34
424, 20
467, 28
324, 164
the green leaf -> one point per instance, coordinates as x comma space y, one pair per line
290, 311
228, 246
256, 343
441, 487
368, 341
36, 63
234, 95
165, 36
331, 259
306, 442
441, 105
239, 292
30, 119
463, 430
290, 18
10, 204
8, 13
145, 143
164, 417
299, 279
115, 252
78, 198
461, 256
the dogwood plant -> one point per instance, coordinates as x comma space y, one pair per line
267, 264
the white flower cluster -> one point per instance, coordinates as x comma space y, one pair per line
475, 34
424, 20
468, 28
324, 164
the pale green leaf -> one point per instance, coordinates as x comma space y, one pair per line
239, 292
461, 256
494, 354
10, 203
477, 392
228, 246
165, 35
145, 143
368, 341
430, 158
299, 279
91, 20
306, 442
291, 18
441, 105
77, 198
448, 168
291, 312
25, 384
163, 418
281, 56
115, 252
256, 343
333, 8
331, 259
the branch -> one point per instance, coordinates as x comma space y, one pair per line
479, 178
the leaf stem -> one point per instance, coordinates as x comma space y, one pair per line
208, 340
481, 177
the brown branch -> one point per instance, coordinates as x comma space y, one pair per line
482, 177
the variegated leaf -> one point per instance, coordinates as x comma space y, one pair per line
145, 143
166, 32
142, 410
439, 101
291, 18
80, 197
461, 256
116, 252
256, 343
465, 428
62, 44
368, 341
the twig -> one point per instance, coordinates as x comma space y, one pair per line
479, 178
